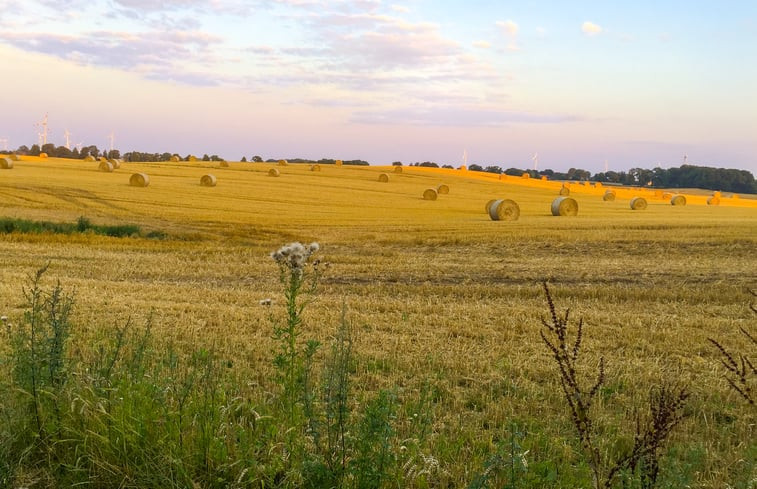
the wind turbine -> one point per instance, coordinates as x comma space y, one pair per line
111, 137
42, 136
5, 143
67, 135
606, 167
465, 158
535, 159
685, 157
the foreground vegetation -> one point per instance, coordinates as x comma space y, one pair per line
427, 321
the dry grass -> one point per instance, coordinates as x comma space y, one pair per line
443, 295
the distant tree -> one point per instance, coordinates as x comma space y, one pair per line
516, 172
448, 166
34, 150
22, 150
493, 169
205, 157
114, 153
428, 164
62, 152
396, 163
257, 159
475, 167
165, 157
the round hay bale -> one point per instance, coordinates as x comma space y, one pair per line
102, 158
338, 162
43, 155
383, 178
658, 194
397, 169
502, 176
115, 163
14, 157
273, 172
6, 163
315, 167
105, 166
208, 180
442, 189
609, 196
429, 194
89, 158
717, 193
714, 200
282, 163
191, 158
598, 185
564, 190
224, 164
564, 206
735, 196
678, 199
175, 158
489, 204
504, 210
139, 180
638, 203
526, 175
544, 178
666, 195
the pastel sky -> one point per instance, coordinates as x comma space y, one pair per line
582, 83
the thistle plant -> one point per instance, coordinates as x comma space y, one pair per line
299, 277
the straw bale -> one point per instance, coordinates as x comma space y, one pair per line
383, 178
191, 158
397, 169
139, 180
609, 196
504, 210
678, 199
502, 176
463, 168
224, 164
638, 203
526, 175
103, 158
115, 163
315, 167
208, 180
105, 166
564, 206
666, 195
598, 185
717, 193
544, 177
6, 163
338, 162
89, 158
442, 189
564, 190
735, 196
714, 200
14, 157
175, 158
489, 204
273, 172
282, 163
429, 194
43, 155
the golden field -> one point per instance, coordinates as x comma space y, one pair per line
436, 291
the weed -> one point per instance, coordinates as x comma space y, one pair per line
641, 461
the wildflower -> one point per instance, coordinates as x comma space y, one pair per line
294, 255
266, 302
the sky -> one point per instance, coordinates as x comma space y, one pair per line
548, 84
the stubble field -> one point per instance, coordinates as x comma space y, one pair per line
439, 296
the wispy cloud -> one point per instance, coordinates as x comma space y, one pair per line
590, 28
510, 29
456, 117
482, 44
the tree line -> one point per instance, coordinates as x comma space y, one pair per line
685, 176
